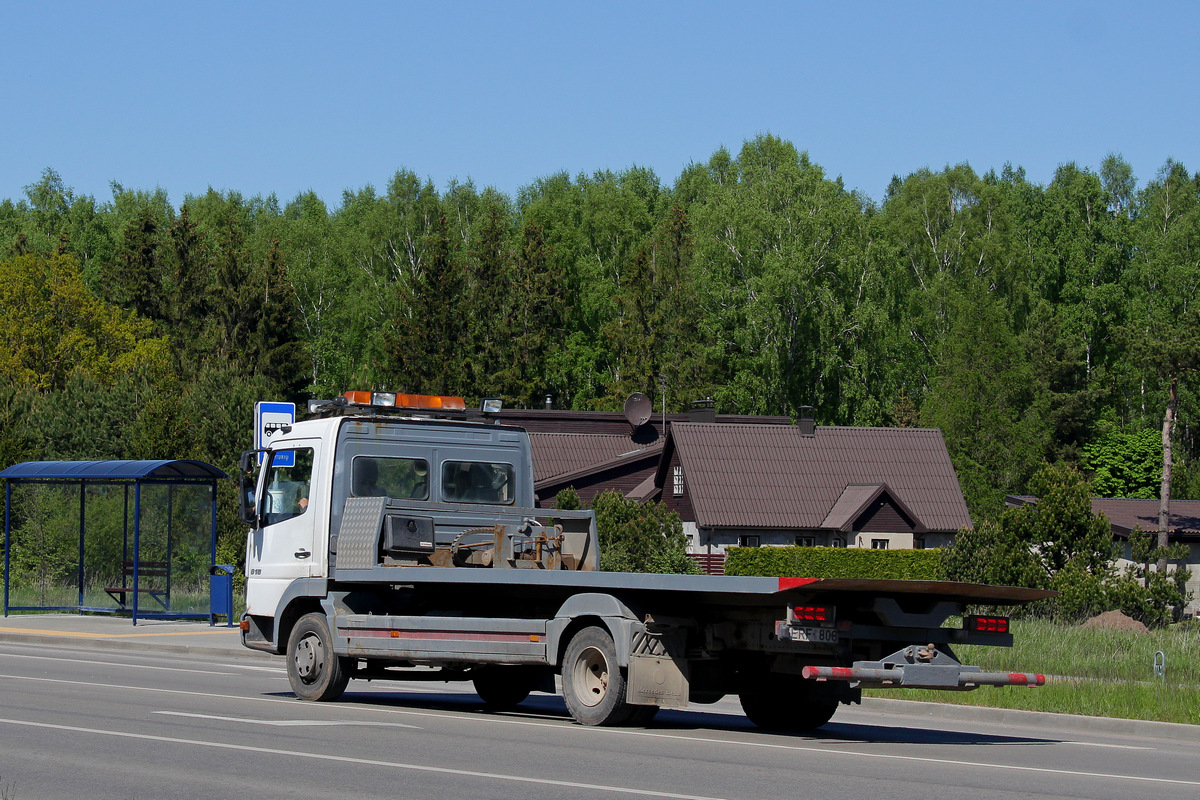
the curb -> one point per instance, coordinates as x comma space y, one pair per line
115, 643
1046, 720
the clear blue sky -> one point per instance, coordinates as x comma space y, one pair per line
274, 97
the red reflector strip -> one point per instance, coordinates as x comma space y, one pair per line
464, 636
1022, 679
829, 673
792, 583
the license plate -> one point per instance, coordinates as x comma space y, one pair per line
814, 635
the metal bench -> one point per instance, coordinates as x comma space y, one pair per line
157, 571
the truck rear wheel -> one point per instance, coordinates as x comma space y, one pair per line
642, 715
794, 705
314, 671
502, 688
593, 683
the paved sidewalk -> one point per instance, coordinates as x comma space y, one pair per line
119, 633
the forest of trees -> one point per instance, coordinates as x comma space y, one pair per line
1032, 324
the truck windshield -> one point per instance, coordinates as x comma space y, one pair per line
477, 482
288, 482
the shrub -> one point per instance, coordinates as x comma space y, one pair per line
833, 562
1059, 544
636, 537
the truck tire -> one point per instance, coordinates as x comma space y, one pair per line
642, 715
502, 688
794, 705
593, 683
313, 670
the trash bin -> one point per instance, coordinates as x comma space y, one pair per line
220, 593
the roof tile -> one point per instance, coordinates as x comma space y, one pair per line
771, 476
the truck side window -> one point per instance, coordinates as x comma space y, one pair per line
383, 476
477, 482
289, 480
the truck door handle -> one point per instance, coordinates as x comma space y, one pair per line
302, 554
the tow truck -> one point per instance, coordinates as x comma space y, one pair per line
394, 537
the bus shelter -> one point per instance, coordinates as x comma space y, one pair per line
111, 537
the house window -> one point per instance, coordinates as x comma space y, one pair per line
879, 544
748, 541
677, 481
804, 541
837, 542
918, 543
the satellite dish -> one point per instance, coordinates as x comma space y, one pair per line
638, 409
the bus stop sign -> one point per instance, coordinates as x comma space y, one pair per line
270, 419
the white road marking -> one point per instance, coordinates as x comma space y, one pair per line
288, 723
122, 664
1112, 746
308, 755
584, 730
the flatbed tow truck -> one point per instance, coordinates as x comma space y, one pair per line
394, 537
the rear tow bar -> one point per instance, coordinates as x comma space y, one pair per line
920, 668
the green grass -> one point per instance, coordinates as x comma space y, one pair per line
186, 599
1100, 673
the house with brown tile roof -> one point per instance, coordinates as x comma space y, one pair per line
755, 480
589, 463
748, 485
592, 451
1125, 514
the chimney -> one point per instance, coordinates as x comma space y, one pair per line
702, 410
808, 425
549, 404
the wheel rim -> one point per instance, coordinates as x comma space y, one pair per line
591, 676
309, 658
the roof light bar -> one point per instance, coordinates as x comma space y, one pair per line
423, 402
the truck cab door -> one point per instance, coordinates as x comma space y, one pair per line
282, 547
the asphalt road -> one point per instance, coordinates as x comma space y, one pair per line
87, 724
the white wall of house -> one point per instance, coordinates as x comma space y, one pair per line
890, 541
693, 538
705, 541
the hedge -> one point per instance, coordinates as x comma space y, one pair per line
833, 562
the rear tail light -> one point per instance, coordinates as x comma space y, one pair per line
811, 614
981, 624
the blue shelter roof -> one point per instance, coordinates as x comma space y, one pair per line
168, 470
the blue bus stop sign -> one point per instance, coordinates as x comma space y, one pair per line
269, 420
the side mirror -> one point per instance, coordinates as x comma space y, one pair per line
247, 480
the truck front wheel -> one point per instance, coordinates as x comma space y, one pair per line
593, 683
314, 671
